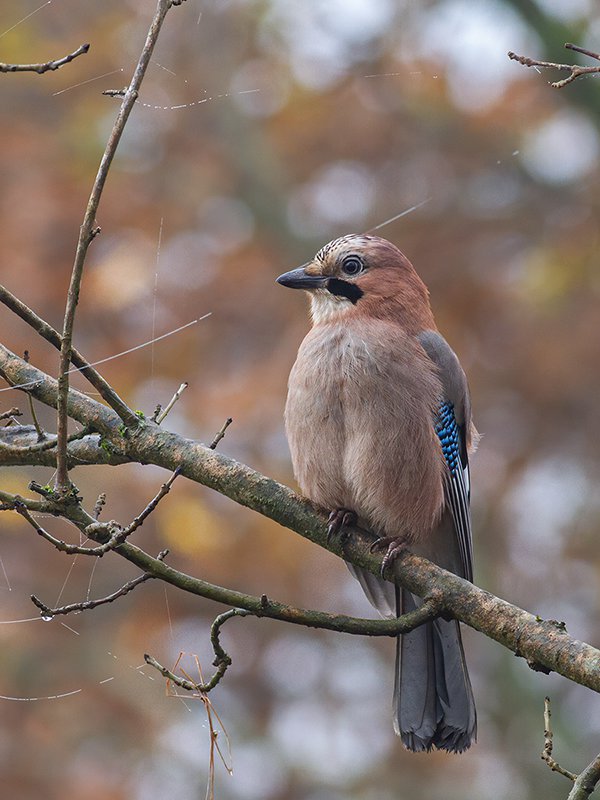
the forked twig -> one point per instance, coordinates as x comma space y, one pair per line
549, 744
222, 659
575, 69
12, 412
161, 415
109, 534
587, 780
189, 684
51, 335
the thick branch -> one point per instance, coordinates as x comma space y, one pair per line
18, 448
40, 446
47, 66
542, 643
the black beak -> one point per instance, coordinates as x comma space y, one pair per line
299, 279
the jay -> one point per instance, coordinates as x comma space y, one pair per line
378, 420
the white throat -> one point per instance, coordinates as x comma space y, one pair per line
325, 306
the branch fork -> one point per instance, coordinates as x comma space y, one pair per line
576, 71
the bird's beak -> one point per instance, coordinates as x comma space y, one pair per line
300, 279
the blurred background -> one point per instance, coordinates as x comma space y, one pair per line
264, 129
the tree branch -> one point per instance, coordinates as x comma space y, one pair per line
109, 534
549, 744
40, 447
87, 233
222, 659
544, 644
220, 434
575, 70
161, 413
112, 537
584, 783
12, 412
51, 335
115, 534
87, 605
47, 66
18, 449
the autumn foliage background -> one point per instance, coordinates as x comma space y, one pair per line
321, 118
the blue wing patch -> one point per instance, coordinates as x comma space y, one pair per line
457, 482
448, 433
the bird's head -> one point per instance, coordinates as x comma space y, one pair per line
362, 274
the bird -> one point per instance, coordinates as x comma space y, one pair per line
378, 422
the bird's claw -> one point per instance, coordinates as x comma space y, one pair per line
339, 519
382, 543
395, 548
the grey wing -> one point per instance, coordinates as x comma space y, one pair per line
454, 428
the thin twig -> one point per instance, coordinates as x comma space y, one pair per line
47, 492
88, 605
100, 503
51, 335
87, 233
12, 412
109, 534
139, 520
8, 502
74, 549
162, 414
183, 683
38, 428
548, 745
578, 49
221, 662
220, 434
41, 434
47, 66
575, 69
199, 690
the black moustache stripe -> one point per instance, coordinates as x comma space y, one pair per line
345, 289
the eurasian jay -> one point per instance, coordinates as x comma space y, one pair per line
378, 420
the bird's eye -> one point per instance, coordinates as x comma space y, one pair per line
352, 265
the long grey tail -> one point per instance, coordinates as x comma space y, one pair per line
433, 699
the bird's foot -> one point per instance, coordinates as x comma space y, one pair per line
339, 519
395, 546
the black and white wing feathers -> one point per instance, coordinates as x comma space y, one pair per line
453, 427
